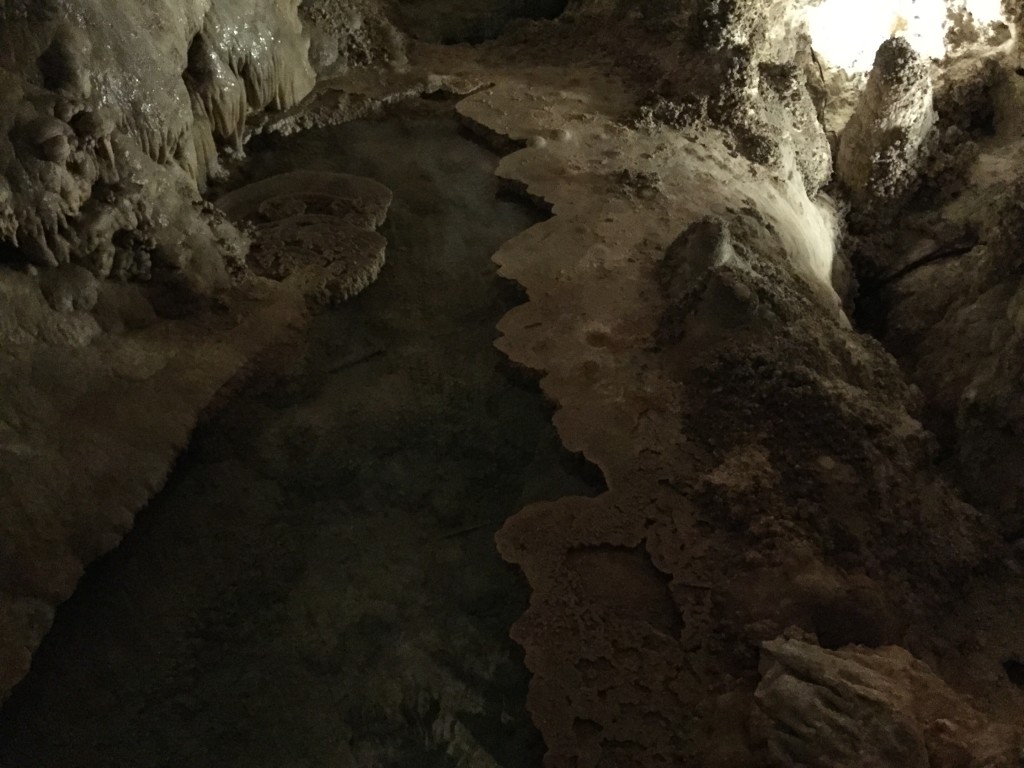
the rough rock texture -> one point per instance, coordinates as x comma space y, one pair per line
861, 706
346, 34
314, 231
745, 73
946, 295
882, 148
769, 469
766, 465
111, 118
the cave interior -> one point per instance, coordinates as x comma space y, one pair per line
511, 383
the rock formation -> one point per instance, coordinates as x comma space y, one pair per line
885, 142
112, 118
798, 517
316, 232
862, 706
115, 108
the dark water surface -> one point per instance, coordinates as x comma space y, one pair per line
318, 584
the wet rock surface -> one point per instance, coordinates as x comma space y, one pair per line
314, 231
112, 119
318, 583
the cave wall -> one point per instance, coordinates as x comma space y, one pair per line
469, 20
775, 494
112, 118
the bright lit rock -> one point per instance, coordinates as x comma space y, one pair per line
846, 33
883, 145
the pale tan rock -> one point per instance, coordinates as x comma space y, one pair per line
884, 145
96, 100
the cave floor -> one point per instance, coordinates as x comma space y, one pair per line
318, 583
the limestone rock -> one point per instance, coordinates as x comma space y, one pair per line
859, 707
746, 77
108, 119
70, 288
345, 34
883, 145
314, 230
701, 247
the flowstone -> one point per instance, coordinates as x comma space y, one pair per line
111, 118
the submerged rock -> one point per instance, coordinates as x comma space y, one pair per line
314, 230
